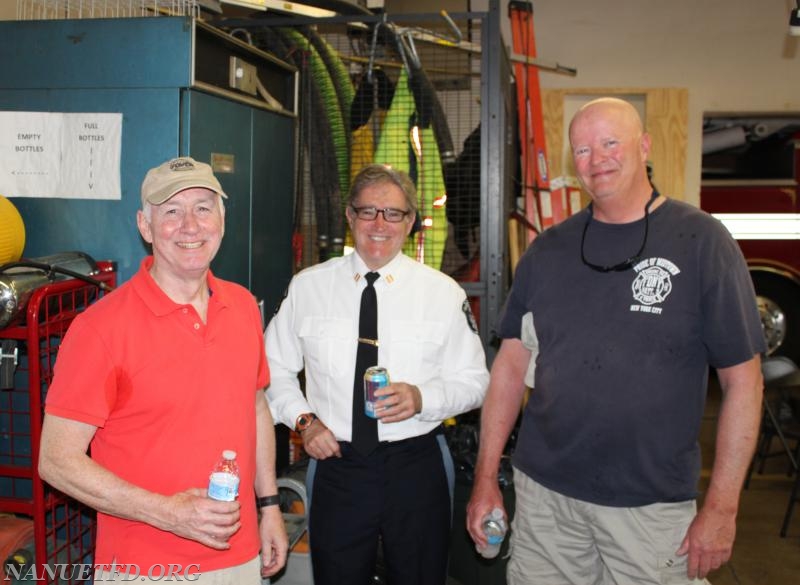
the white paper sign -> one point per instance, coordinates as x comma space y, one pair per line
64, 155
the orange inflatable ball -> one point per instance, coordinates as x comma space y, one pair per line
12, 232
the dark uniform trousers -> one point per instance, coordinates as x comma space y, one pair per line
399, 492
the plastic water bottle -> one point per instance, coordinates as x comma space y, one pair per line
224, 482
494, 527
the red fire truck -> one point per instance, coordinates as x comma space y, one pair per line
751, 182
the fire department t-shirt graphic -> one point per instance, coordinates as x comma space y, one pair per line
652, 284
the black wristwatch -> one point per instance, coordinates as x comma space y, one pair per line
265, 501
304, 421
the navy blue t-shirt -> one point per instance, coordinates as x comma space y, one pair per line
622, 370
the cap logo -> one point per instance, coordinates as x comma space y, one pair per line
181, 164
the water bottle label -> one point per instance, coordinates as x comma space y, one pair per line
495, 539
223, 486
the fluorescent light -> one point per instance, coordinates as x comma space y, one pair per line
257, 4
286, 7
300, 9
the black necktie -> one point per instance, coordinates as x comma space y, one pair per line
365, 428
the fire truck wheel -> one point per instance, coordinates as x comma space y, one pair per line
779, 306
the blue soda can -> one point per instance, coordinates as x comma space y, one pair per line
375, 378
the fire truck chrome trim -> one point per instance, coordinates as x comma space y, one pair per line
761, 226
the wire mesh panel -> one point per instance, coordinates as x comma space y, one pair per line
59, 9
63, 529
399, 93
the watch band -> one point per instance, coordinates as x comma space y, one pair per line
265, 501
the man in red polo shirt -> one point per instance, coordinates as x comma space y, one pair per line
160, 377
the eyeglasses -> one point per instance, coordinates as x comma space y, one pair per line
371, 213
622, 266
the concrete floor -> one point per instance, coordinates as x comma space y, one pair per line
760, 555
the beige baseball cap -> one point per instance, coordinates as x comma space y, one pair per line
176, 175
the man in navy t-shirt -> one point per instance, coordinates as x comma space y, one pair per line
613, 319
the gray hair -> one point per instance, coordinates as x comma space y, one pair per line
375, 174
147, 208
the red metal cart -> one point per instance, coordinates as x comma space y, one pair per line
63, 529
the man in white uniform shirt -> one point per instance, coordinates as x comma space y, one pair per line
427, 340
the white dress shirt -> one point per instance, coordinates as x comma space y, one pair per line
424, 334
